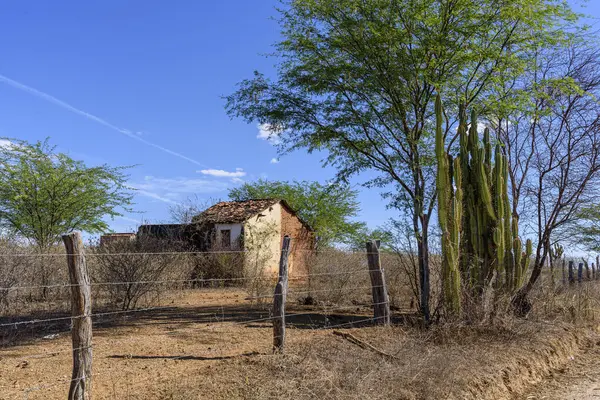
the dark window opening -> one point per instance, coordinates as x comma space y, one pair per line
225, 238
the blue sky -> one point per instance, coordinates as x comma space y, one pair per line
141, 83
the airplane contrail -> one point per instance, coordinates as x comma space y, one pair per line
67, 106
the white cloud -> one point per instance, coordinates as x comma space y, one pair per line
155, 196
274, 160
269, 133
128, 219
51, 99
172, 190
219, 173
5, 143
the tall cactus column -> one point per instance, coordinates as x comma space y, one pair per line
449, 215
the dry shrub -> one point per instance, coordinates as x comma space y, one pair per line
577, 303
217, 267
31, 281
226, 266
13, 272
342, 277
402, 277
130, 271
336, 277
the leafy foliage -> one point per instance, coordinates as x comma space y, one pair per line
45, 194
587, 233
357, 79
327, 208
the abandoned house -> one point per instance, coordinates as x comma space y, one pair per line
116, 237
256, 227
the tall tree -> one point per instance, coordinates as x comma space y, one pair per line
357, 78
553, 148
328, 208
45, 194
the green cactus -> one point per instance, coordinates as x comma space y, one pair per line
480, 235
557, 251
525, 261
449, 215
509, 259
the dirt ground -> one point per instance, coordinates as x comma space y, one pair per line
142, 354
579, 380
208, 344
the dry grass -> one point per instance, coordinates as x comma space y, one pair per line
202, 345
342, 277
449, 363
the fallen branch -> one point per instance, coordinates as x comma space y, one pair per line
362, 344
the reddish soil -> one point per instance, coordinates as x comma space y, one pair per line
142, 352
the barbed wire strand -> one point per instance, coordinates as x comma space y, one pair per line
92, 315
165, 253
200, 280
295, 292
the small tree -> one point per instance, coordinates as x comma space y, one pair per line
184, 212
45, 194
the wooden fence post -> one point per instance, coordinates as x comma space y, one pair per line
81, 309
571, 273
381, 303
593, 271
284, 264
588, 275
564, 272
580, 273
598, 267
280, 297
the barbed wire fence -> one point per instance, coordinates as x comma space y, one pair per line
82, 288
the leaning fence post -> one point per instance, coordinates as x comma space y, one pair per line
81, 309
571, 273
588, 275
580, 273
280, 297
381, 304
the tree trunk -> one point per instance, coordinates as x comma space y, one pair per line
520, 301
423, 256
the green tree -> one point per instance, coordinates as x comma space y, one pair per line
358, 78
327, 208
586, 231
45, 194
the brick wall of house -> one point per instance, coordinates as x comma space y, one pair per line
302, 242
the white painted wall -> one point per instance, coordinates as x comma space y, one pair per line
236, 231
262, 239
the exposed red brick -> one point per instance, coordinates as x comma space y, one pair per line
303, 240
